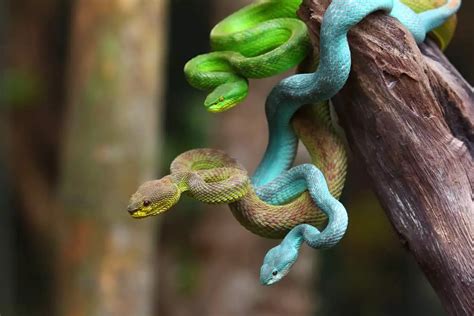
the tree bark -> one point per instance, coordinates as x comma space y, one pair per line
409, 118
106, 259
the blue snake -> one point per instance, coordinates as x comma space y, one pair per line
293, 92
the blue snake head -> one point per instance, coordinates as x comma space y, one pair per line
154, 197
277, 264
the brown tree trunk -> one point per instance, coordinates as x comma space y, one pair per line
409, 118
106, 259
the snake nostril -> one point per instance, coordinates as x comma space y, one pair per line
132, 210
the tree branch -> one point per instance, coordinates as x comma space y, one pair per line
409, 118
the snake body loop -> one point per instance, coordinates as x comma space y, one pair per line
211, 176
442, 34
260, 40
332, 73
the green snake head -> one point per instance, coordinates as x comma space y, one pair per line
277, 264
154, 197
226, 96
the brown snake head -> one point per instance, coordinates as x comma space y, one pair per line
154, 197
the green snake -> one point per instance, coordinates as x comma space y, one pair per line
261, 40
211, 176
273, 182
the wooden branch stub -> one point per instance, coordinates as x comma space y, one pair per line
409, 118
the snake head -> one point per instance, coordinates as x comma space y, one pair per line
277, 264
226, 96
154, 197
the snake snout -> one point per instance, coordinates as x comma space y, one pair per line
134, 207
132, 210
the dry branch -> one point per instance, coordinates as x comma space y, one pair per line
409, 118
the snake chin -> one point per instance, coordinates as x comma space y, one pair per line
138, 214
218, 108
152, 210
221, 105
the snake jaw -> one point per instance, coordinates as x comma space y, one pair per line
217, 108
220, 105
137, 213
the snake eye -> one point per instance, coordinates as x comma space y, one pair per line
275, 272
221, 99
146, 203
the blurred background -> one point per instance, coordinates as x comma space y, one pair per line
94, 102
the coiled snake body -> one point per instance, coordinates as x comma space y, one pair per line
273, 182
211, 176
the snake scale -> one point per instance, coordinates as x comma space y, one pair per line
279, 200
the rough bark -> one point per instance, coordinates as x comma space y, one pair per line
409, 118
106, 264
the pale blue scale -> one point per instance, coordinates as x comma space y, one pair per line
273, 182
